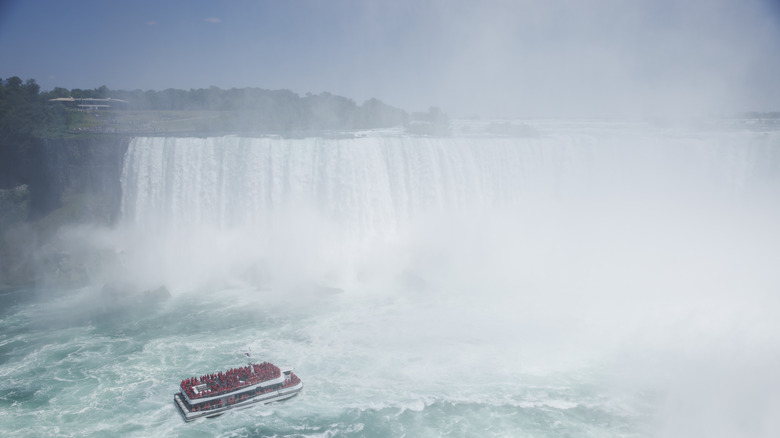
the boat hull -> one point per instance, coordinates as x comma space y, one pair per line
274, 396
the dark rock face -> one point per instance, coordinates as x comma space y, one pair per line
88, 168
58, 171
14, 205
48, 183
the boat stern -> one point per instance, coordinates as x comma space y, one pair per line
182, 407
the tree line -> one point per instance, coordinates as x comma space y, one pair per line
25, 111
259, 109
22, 105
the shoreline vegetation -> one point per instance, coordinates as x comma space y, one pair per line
27, 113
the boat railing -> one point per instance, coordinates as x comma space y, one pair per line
211, 385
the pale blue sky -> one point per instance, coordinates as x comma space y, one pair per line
481, 57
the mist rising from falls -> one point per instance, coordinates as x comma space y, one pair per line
653, 250
271, 207
615, 277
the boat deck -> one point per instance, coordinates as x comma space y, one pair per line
273, 396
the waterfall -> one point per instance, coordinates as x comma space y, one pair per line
366, 184
313, 197
374, 184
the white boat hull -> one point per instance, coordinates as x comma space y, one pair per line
274, 396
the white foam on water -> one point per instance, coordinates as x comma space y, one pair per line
571, 284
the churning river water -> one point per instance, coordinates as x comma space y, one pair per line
598, 279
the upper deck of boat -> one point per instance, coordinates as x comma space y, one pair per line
213, 386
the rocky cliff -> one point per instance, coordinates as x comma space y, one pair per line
48, 183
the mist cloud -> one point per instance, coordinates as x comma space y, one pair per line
570, 58
561, 58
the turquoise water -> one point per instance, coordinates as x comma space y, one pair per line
71, 372
600, 280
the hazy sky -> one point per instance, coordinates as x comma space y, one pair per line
478, 57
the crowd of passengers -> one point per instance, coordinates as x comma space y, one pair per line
215, 404
230, 380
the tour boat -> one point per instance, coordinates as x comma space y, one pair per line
211, 395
